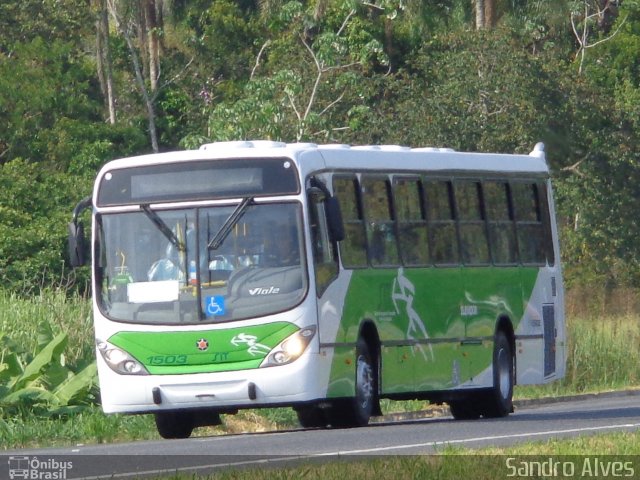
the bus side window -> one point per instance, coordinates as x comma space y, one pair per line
325, 257
353, 249
443, 240
381, 235
531, 242
473, 237
502, 233
412, 224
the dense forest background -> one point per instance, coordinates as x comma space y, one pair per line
86, 81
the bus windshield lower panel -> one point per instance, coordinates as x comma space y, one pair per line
161, 266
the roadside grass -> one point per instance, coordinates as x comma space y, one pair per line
71, 315
89, 426
603, 355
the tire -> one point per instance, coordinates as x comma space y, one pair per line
356, 411
174, 424
311, 416
465, 409
499, 401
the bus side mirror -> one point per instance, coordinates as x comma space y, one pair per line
334, 219
76, 244
76, 241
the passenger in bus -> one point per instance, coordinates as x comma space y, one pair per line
165, 268
171, 266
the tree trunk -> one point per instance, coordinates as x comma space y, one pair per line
103, 59
489, 13
153, 43
138, 70
480, 9
142, 31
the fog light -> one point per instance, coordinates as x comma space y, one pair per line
120, 361
280, 357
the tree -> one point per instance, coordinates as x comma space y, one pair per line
128, 28
304, 87
25, 20
594, 15
477, 92
141, 25
103, 57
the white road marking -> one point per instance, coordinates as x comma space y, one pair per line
263, 461
479, 439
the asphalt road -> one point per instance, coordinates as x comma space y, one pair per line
532, 421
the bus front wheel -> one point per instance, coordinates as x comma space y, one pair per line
465, 409
356, 411
311, 416
174, 424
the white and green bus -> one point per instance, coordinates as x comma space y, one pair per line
323, 278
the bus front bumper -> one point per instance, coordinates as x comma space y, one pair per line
297, 382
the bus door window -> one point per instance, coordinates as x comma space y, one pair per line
325, 257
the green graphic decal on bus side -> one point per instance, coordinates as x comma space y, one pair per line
435, 325
202, 351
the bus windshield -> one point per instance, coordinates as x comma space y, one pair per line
164, 267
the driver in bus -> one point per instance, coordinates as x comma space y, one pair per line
282, 247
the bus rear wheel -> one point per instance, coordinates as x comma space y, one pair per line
174, 424
499, 401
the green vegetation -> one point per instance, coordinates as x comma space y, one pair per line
42, 383
83, 82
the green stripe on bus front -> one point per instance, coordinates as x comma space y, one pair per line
201, 351
437, 309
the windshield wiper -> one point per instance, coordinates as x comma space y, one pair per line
229, 223
163, 227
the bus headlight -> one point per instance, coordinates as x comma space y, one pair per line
291, 348
120, 361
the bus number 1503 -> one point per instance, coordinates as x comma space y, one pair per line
167, 360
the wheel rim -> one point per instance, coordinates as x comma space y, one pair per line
364, 382
504, 373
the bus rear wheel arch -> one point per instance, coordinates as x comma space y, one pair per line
496, 401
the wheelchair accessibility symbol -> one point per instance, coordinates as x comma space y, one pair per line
214, 305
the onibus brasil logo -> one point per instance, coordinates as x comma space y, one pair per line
34, 468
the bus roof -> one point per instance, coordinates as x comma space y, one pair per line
313, 157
